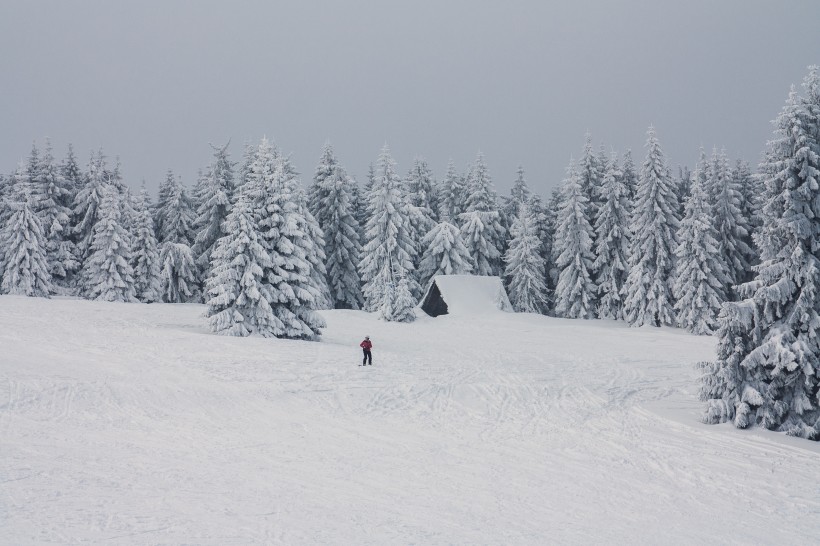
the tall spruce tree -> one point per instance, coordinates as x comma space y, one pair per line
87, 201
238, 297
25, 266
216, 195
144, 252
389, 250
525, 269
575, 292
590, 173
630, 176
178, 275
332, 201
452, 195
649, 299
766, 372
107, 273
279, 212
175, 216
700, 273
612, 238
481, 226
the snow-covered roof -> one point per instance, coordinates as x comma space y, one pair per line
470, 294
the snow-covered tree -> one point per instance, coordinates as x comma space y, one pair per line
452, 195
332, 203
389, 250
612, 241
590, 173
481, 226
107, 273
401, 307
71, 172
766, 372
630, 176
750, 195
649, 299
700, 274
25, 266
519, 194
576, 291
526, 271
280, 214
87, 203
144, 253
215, 199
732, 228
422, 192
178, 274
444, 253
238, 297
174, 215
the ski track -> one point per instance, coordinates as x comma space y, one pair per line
130, 424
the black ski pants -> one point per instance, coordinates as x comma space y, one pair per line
367, 357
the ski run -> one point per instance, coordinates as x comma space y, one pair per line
133, 424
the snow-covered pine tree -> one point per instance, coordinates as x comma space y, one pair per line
107, 273
87, 203
279, 214
333, 205
590, 173
53, 206
313, 241
175, 216
71, 171
214, 205
452, 195
542, 218
519, 194
575, 291
684, 184
178, 275
629, 175
238, 297
552, 209
401, 308
481, 226
766, 372
389, 252
612, 237
700, 274
423, 191
649, 299
525, 269
25, 266
750, 194
144, 252
444, 253
732, 228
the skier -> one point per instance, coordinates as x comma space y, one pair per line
366, 345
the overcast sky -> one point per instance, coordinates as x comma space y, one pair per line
154, 82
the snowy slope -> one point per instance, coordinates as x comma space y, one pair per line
130, 424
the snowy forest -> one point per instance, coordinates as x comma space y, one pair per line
714, 248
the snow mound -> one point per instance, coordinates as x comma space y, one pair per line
465, 295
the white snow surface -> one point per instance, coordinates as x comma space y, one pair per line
472, 294
131, 424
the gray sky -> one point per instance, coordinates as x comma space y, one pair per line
155, 81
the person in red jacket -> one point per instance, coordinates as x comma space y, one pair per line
366, 345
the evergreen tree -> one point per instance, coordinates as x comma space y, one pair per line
575, 292
279, 212
333, 204
25, 267
452, 195
214, 205
612, 242
590, 174
766, 372
525, 270
481, 226
145, 255
107, 273
629, 175
389, 251
238, 296
700, 274
87, 201
401, 307
444, 253
422, 192
72, 173
649, 299
746, 185
178, 274
732, 228
542, 217
175, 216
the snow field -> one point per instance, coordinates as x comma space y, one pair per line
131, 424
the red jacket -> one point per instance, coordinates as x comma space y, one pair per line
366, 344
